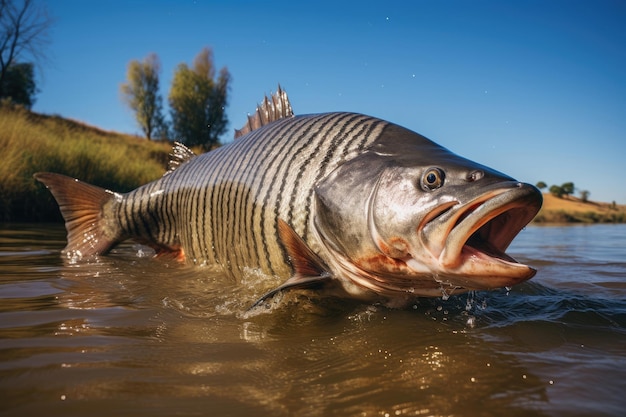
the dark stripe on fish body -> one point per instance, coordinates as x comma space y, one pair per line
262, 175
248, 204
306, 142
155, 203
278, 170
215, 215
172, 206
143, 222
296, 182
167, 228
222, 206
346, 144
130, 215
221, 210
190, 210
320, 151
233, 200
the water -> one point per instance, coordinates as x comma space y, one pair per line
131, 335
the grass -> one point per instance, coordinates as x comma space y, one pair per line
33, 142
562, 216
574, 210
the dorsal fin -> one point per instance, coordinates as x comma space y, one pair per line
178, 156
278, 107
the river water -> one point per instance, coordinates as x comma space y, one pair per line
133, 335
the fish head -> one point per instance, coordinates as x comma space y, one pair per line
407, 216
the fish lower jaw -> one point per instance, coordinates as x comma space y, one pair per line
477, 270
472, 269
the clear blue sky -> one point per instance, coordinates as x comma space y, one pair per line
536, 89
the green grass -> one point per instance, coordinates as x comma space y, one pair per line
32, 142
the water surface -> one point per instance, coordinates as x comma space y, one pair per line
133, 335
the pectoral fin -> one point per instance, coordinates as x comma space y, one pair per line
310, 271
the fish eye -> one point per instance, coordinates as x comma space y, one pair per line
432, 179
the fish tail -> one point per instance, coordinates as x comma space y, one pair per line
89, 231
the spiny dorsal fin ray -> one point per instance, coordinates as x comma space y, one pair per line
309, 270
269, 111
178, 156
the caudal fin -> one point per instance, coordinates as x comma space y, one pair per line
88, 232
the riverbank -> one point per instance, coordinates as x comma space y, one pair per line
33, 142
573, 210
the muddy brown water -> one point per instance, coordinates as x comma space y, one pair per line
131, 335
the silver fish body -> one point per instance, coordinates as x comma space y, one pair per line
222, 207
344, 199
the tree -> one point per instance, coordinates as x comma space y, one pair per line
556, 191
23, 35
584, 195
19, 84
198, 101
141, 93
541, 185
568, 188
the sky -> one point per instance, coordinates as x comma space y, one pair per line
535, 89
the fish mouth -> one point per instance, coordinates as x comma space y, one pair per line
474, 237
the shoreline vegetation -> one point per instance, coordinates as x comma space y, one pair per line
33, 142
570, 209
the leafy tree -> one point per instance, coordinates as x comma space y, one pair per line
584, 195
198, 101
541, 185
23, 34
568, 188
556, 191
141, 93
19, 84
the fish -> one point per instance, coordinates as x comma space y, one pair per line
340, 203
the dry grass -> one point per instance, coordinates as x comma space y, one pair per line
574, 210
32, 143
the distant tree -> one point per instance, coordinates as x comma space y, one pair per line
541, 185
141, 94
23, 35
198, 102
568, 188
584, 195
19, 84
556, 191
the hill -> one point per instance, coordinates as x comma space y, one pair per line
32, 142
573, 210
